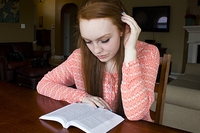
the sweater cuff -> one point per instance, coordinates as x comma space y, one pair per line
127, 65
82, 96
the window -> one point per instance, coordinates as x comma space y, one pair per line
162, 22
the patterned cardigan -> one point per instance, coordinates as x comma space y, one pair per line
137, 88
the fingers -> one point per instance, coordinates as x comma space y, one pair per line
100, 102
131, 22
131, 33
96, 102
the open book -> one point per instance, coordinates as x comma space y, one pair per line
85, 117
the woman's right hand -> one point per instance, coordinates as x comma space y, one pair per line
96, 102
131, 35
132, 31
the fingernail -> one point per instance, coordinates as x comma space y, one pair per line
103, 107
123, 13
111, 110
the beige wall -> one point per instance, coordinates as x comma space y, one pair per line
47, 11
12, 32
58, 33
172, 40
194, 9
51, 12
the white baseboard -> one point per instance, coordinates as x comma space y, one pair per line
172, 77
57, 57
175, 74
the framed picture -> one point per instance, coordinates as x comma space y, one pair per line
198, 4
9, 11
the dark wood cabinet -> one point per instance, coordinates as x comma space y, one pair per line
43, 38
162, 51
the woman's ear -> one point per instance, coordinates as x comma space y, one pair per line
121, 33
127, 30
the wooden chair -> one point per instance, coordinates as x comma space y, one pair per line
160, 88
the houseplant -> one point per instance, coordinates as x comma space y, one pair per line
190, 19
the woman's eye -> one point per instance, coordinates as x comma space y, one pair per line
87, 42
105, 41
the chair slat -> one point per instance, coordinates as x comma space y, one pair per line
160, 88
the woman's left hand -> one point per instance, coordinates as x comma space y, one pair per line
95, 101
132, 31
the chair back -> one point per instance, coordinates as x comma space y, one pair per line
160, 88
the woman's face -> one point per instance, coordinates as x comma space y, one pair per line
101, 37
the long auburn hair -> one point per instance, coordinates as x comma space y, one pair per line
92, 68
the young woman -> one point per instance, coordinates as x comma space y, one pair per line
111, 69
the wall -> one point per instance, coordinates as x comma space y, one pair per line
193, 8
12, 32
51, 11
47, 11
172, 40
58, 34
71, 9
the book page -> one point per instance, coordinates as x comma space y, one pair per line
97, 120
85, 117
67, 113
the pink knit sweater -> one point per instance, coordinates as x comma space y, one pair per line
137, 88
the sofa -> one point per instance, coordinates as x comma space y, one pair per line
182, 103
14, 55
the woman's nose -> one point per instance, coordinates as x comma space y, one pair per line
97, 48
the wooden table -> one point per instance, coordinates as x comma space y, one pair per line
21, 107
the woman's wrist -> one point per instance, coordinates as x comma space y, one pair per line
82, 98
130, 55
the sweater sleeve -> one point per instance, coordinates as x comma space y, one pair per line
138, 81
55, 84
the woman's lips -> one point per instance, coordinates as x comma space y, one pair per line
101, 56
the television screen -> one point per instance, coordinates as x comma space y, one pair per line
152, 18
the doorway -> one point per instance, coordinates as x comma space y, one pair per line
68, 20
